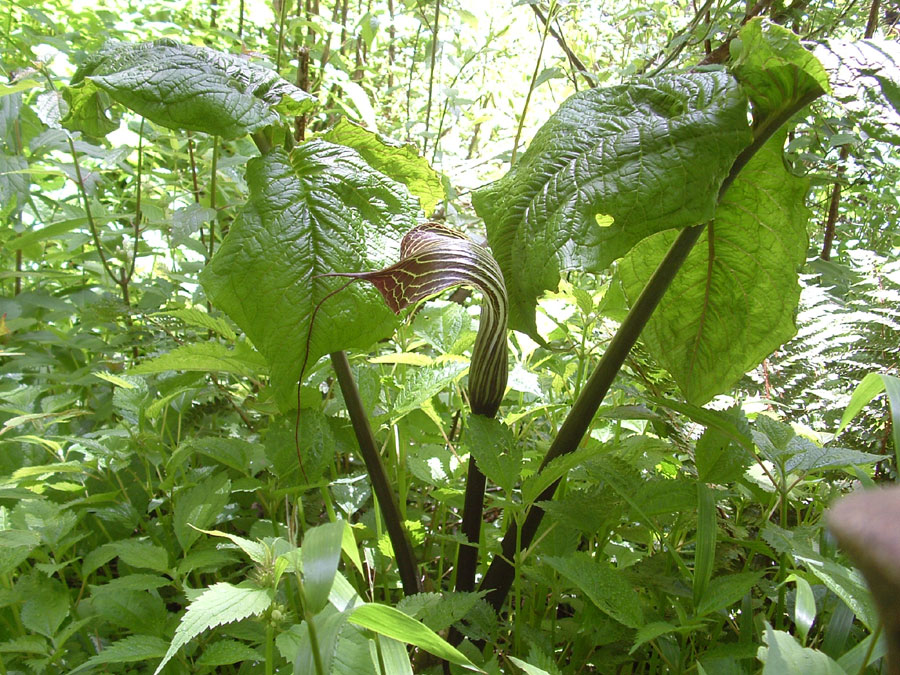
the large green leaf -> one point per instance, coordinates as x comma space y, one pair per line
400, 161
611, 167
181, 87
322, 210
734, 299
775, 69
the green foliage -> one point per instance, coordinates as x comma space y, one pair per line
172, 220
650, 155
734, 299
319, 211
181, 87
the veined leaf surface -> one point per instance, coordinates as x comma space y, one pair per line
651, 155
182, 87
319, 211
775, 69
734, 299
400, 161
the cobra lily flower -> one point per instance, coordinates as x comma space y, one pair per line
434, 258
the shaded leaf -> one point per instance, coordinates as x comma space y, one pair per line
46, 606
735, 297
423, 383
605, 586
719, 458
128, 650
726, 590
243, 360
495, 450
219, 604
844, 582
199, 506
226, 652
785, 655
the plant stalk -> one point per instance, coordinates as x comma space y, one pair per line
434, 46
403, 551
534, 76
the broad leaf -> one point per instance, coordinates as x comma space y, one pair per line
495, 450
605, 586
226, 652
400, 161
320, 553
724, 591
775, 70
322, 210
785, 655
127, 650
206, 357
181, 87
139, 553
46, 606
219, 604
733, 301
199, 506
721, 459
439, 611
846, 583
329, 626
609, 168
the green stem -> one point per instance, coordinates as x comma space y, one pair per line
500, 574
434, 45
313, 641
406, 560
534, 75
212, 194
281, 15
270, 648
873, 639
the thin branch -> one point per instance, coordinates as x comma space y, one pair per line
137, 208
534, 76
577, 65
434, 46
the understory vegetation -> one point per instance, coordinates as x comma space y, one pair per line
438, 336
